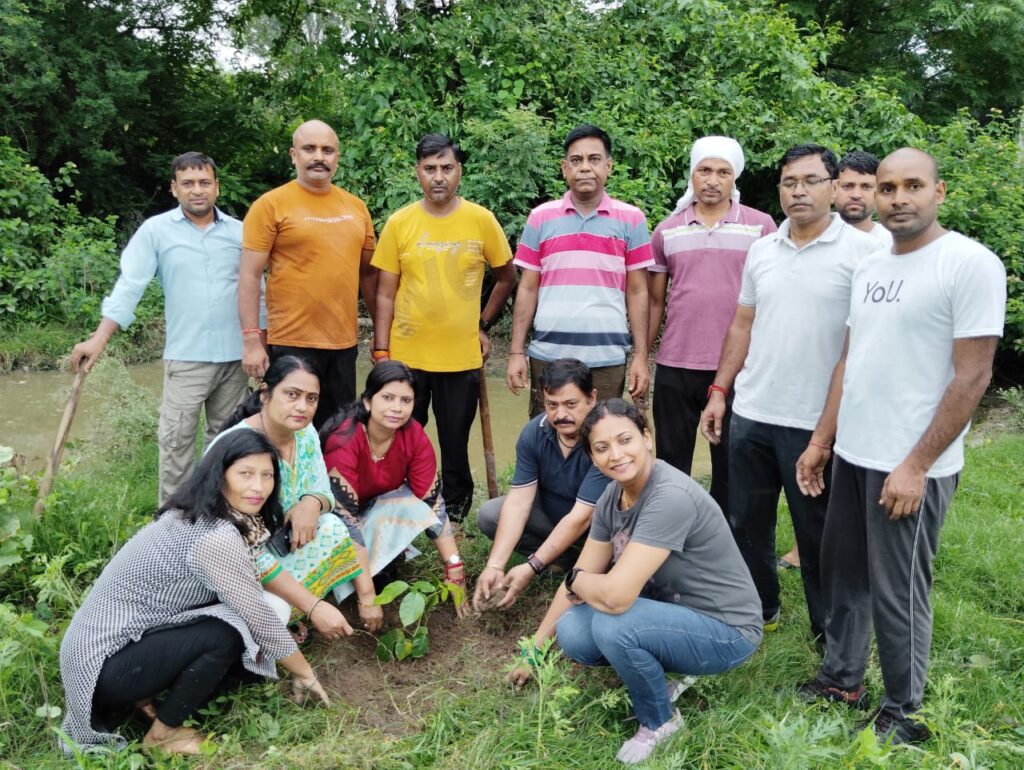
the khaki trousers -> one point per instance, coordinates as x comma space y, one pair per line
189, 387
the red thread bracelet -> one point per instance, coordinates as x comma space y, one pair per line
819, 446
712, 388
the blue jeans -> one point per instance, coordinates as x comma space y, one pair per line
645, 641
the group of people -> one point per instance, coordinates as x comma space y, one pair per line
831, 334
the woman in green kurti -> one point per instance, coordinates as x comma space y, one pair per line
322, 556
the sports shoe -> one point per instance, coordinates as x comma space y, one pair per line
640, 746
895, 730
814, 690
678, 687
772, 623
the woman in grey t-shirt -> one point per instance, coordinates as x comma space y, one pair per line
660, 585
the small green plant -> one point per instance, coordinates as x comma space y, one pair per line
553, 692
418, 599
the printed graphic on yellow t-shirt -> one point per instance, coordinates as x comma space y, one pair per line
441, 263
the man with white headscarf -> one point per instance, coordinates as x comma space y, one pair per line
699, 253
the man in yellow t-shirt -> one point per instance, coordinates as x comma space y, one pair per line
317, 240
432, 258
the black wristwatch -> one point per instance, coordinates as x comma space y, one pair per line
485, 326
571, 578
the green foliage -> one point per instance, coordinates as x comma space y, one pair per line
939, 55
55, 264
418, 600
983, 166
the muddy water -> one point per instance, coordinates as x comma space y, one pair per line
31, 404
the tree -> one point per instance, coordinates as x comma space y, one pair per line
941, 55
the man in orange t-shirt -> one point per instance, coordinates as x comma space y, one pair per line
317, 240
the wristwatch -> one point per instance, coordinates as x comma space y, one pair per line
570, 579
453, 560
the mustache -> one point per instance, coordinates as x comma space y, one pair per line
564, 422
318, 164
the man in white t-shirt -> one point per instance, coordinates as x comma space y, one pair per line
781, 347
855, 194
923, 327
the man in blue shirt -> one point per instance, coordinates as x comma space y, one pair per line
547, 512
194, 251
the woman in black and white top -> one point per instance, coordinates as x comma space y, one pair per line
180, 607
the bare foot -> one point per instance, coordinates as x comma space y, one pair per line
790, 560
173, 740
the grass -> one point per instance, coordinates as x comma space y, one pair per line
46, 346
461, 715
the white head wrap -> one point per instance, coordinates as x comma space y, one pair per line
722, 147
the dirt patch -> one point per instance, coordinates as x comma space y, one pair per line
465, 656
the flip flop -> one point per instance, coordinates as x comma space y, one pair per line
783, 565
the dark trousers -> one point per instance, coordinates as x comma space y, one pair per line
537, 529
454, 396
878, 573
762, 462
337, 372
680, 395
609, 382
189, 661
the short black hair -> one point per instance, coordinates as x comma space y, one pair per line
804, 150
435, 144
587, 131
189, 160
859, 161
615, 407
566, 371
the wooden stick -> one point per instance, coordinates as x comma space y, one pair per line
58, 447
485, 430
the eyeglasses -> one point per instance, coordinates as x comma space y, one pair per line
807, 182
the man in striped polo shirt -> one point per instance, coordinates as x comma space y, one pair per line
583, 284
699, 253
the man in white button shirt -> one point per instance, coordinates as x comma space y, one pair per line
781, 347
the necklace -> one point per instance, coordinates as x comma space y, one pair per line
570, 447
379, 452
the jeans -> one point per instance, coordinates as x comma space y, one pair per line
645, 641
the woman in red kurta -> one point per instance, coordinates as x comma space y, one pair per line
384, 475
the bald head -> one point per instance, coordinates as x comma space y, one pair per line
312, 128
911, 156
908, 196
315, 155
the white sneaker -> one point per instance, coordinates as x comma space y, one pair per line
678, 687
640, 746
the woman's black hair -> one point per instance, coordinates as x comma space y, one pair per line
202, 495
380, 375
277, 371
616, 407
